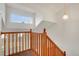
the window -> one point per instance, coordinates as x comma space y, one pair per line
16, 18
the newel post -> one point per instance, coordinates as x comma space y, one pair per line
64, 53
30, 38
44, 31
45, 42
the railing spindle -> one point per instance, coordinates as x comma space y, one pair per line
12, 43
4, 44
37, 42
29, 45
39, 45
46, 44
31, 38
22, 41
8, 43
19, 42
48, 48
16, 42
25, 41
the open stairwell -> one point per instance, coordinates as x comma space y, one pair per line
30, 44
25, 53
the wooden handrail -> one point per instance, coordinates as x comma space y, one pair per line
54, 44
14, 32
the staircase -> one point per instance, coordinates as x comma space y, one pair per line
30, 44
25, 53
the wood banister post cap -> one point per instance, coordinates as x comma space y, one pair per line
44, 30
30, 30
64, 53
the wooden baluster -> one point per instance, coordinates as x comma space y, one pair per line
22, 41
54, 50
34, 46
31, 38
25, 41
45, 41
46, 45
42, 45
19, 42
50, 49
35, 42
4, 44
39, 44
13, 43
29, 42
64, 53
8, 43
16, 42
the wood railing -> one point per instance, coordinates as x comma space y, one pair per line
44, 46
15, 42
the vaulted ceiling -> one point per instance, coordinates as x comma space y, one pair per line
47, 10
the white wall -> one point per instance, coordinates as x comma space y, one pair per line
70, 30
0, 23
2, 14
38, 19
65, 33
2, 17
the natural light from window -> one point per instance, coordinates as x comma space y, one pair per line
15, 18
